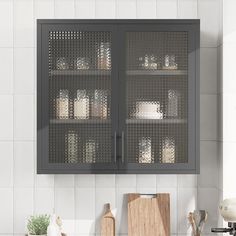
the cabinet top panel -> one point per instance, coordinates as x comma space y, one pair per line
120, 21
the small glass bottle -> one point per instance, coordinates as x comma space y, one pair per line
104, 56
62, 104
81, 105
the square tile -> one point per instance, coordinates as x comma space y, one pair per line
208, 72
85, 181
23, 23
173, 207
6, 23
187, 9
229, 161
64, 9
125, 181
65, 204
44, 9
209, 22
208, 164
208, 199
44, 181
6, 68
228, 84
23, 117
208, 117
44, 201
122, 212
166, 181
229, 112
146, 9
6, 213
105, 181
6, 169
85, 9
85, 210
187, 202
101, 7
126, 9
187, 181
167, 9
24, 79
228, 13
146, 181
23, 164
23, 208
6, 120
64, 181
103, 196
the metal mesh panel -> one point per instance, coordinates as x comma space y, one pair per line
79, 97
156, 97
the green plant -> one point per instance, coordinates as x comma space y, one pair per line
37, 225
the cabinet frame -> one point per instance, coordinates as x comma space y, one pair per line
118, 29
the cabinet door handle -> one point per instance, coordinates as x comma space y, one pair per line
123, 146
115, 136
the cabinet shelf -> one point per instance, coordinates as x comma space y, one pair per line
157, 72
81, 72
79, 121
156, 121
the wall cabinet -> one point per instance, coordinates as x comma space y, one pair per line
118, 96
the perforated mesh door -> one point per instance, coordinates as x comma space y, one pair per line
156, 97
80, 97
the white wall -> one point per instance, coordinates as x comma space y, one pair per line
79, 198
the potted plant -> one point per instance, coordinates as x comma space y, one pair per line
37, 225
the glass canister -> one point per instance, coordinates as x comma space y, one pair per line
62, 104
168, 150
81, 105
89, 153
99, 104
62, 63
145, 150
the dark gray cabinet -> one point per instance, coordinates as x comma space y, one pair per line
118, 96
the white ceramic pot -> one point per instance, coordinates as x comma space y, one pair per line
228, 209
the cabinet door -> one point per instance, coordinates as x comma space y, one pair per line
159, 98
76, 106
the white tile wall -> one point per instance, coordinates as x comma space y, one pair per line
187, 9
79, 199
24, 71
23, 164
167, 9
6, 119
6, 169
23, 23
6, 23
6, 68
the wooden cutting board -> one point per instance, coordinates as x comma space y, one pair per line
149, 215
108, 223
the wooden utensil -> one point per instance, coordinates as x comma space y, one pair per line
108, 222
149, 215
